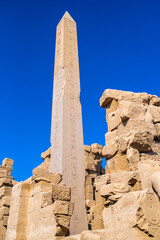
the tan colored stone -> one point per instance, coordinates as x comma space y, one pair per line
114, 120
61, 207
142, 141
101, 180
96, 145
63, 221
157, 125
89, 192
90, 166
110, 149
3, 172
155, 180
120, 162
131, 110
87, 148
155, 112
111, 107
154, 100
110, 94
46, 153
7, 162
123, 142
146, 169
97, 223
133, 158
5, 182
61, 192
107, 190
46, 199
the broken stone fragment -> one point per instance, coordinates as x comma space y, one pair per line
133, 158
155, 112
123, 142
114, 120
107, 190
61, 207
110, 149
141, 141
63, 220
7, 162
46, 199
101, 180
46, 154
157, 125
87, 148
110, 94
61, 192
154, 100
6, 182
155, 180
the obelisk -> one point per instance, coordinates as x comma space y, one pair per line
67, 156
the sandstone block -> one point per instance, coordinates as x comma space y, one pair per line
110, 94
155, 180
96, 145
63, 221
123, 142
61, 207
157, 125
114, 120
87, 148
90, 166
3, 172
5, 191
97, 223
87, 235
110, 150
46, 199
154, 100
146, 169
133, 158
142, 141
7, 162
131, 110
46, 153
120, 162
155, 112
101, 180
90, 203
5, 182
107, 190
89, 192
61, 192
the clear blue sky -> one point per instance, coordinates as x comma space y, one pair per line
119, 48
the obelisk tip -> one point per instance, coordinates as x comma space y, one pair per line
68, 16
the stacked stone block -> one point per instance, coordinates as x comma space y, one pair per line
40, 206
93, 168
131, 186
6, 183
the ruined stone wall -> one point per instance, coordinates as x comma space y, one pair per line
132, 150
40, 207
93, 168
6, 184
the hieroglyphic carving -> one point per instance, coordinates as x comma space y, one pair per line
67, 155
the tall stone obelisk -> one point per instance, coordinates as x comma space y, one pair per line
67, 156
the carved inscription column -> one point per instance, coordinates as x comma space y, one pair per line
67, 155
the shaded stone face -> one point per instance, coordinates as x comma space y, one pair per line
67, 156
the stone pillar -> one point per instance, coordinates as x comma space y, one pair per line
67, 156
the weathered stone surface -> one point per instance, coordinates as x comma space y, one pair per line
142, 141
46, 153
155, 112
107, 190
101, 180
146, 169
7, 162
61, 192
110, 94
154, 100
131, 110
133, 158
125, 217
110, 149
123, 142
157, 125
61, 207
114, 120
155, 180
87, 148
